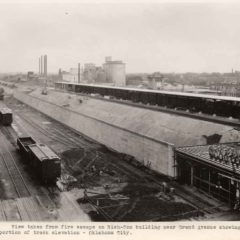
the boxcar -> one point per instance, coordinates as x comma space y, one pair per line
23, 145
46, 164
6, 116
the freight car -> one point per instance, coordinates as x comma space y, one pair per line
6, 117
223, 106
46, 164
23, 144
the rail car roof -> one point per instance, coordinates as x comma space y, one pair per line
26, 140
181, 94
5, 110
43, 152
201, 153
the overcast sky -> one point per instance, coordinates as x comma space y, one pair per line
180, 37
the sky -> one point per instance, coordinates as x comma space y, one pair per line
148, 37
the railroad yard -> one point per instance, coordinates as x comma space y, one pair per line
113, 114
97, 183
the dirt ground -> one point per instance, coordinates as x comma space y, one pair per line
129, 194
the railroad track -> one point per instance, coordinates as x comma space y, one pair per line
20, 185
197, 202
72, 135
49, 133
8, 131
74, 139
58, 135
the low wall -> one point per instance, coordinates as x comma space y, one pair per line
158, 155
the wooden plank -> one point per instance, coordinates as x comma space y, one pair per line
22, 210
33, 213
11, 210
2, 214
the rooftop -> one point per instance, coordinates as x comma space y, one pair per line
184, 94
114, 62
43, 152
201, 153
5, 110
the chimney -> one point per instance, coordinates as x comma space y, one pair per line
39, 66
79, 72
42, 64
45, 65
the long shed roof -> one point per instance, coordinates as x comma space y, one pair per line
181, 94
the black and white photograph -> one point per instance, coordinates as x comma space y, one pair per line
119, 111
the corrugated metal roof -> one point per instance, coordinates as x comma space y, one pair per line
201, 153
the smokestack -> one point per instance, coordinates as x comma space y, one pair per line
79, 73
42, 64
60, 74
39, 66
45, 65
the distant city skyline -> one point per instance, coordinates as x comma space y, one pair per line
165, 37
